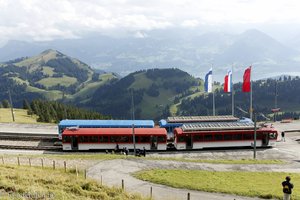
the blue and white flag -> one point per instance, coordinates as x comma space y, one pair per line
208, 81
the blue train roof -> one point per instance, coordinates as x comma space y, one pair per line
163, 123
108, 123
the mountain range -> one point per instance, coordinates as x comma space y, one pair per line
189, 50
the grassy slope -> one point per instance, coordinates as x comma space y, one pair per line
254, 184
104, 156
20, 116
90, 88
151, 106
17, 181
50, 95
64, 81
174, 107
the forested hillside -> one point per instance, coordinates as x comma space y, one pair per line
153, 92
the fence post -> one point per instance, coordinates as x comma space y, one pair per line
29, 162
42, 161
151, 192
188, 196
76, 171
2, 160
53, 164
122, 184
101, 180
18, 161
65, 166
84, 173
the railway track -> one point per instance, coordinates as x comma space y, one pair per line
45, 148
48, 142
27, 136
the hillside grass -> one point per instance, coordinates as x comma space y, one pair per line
17, 182
48, 70
109, 156
50, 95
253, 184
151, 106
20, 116
20, 81
88, 90
52, 81
141, 81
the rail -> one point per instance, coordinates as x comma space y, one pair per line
52, 148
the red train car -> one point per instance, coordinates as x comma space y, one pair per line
109, 138
214, 135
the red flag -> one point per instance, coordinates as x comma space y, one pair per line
226, 83
247, 80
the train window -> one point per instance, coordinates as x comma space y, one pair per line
103, 138
218, 136
181, 139
123, 139
248, 136
114, 139
136, 138
66, 139
144, 139
93, 138
237, 136
227, 137
198, 138
207, 137
161, 139
83, 139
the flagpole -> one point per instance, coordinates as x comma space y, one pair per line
232, 92
251, 109
213, 92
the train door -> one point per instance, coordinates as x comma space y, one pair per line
153, 142
189, 142
74, 142
265, 139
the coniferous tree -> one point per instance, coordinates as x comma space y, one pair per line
5, 103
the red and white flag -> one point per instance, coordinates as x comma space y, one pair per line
228, 81
247, 80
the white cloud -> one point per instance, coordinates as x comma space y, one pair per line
48, 19
190, 23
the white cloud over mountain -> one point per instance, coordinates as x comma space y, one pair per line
52, 19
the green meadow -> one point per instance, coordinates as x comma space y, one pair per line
265, 185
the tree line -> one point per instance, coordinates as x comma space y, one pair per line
53, 111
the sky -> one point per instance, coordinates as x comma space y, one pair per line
44, 20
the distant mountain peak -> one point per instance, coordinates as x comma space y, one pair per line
52, 52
